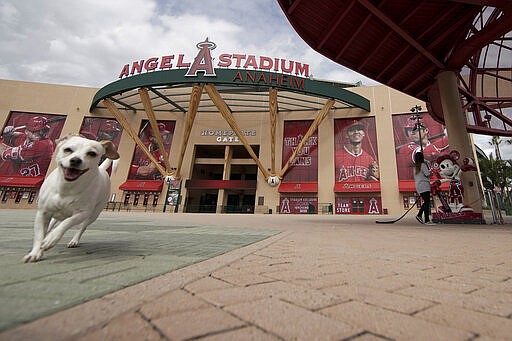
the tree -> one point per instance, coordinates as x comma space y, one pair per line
496, 141
496, 173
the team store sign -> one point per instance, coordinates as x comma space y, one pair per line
371, 205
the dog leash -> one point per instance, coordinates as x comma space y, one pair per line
403, 215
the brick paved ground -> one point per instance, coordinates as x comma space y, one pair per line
116, 252
321, 278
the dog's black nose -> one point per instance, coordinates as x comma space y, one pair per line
75, 162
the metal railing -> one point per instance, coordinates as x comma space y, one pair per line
323, 208
120, 206
227, 209
494, 204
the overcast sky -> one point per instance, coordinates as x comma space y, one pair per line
87, 42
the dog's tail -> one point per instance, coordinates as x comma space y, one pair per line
107, 163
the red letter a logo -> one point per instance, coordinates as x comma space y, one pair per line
203, 61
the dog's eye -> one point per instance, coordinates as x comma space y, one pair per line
68, 150
92, 154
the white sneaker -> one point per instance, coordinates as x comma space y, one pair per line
430, 223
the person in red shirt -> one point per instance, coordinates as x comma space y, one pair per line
109, 131
406, 153
352, 162
27, 153
142, 167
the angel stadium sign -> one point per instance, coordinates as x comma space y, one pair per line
228, 69
205, 64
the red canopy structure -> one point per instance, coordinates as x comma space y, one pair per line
405, 44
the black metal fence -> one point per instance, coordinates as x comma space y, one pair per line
495, 203
323, 208
120, 206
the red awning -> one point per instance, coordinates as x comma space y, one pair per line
357, 187
21, 181
406, 186
410, 186
305, 187
142, 185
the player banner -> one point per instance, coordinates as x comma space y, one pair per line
141, 167
28, 142
101, 129
304, 167
407, 142
355, 148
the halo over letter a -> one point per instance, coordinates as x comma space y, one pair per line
203, 61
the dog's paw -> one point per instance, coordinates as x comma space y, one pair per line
48, 242
33, 256
73, 243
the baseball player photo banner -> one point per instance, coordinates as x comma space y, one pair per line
355, 151
305, 166
407, 141
101, 129
27, 143
141, 167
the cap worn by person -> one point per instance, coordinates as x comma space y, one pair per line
352, 124
411, 124
161, 129
37, 123
111, 126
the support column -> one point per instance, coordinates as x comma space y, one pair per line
221, 198
455, 120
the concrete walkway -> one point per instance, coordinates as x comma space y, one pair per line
319, 278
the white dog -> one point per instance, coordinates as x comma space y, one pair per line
74, 193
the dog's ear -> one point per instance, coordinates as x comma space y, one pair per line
110, 150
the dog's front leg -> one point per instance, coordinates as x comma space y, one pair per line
40, 228
56, 234
52, 224
75, 241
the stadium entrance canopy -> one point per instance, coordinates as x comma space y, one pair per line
199, 87
406, 44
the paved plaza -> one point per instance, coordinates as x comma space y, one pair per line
162, 276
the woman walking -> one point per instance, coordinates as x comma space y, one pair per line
422, 181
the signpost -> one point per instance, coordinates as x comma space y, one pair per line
416, 110
173, 196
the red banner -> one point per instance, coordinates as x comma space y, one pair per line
141, 166
433, 135
355, 148
304, 167
28, 142
101, 129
